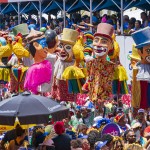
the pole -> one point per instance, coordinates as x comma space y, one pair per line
18, 13
91, 14
40, 12
64, 12
121, 16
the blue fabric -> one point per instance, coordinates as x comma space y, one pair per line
42, 42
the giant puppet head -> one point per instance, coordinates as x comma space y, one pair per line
37, 45
66, 44
51, 40
142, 40
102, 42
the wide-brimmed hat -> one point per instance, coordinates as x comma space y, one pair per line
105, 29
21, 28
34, 35
142, 37
135, 54
69, 36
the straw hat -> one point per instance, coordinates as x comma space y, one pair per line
34, 35
69, 36
135, 54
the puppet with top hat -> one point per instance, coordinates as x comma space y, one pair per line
142, 41
65, 59
100, 71
41, 70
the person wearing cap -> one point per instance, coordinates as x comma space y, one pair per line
100, 71
137, 127
121, 120
62, 140
142, 41
65, 59
101, 145
141, 119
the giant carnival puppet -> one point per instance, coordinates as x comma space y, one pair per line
135, 58
65, 59
99, 70
119, 84
142, 41
41, 70
5, 56
19, 69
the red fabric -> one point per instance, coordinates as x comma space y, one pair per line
144, 100
60, 92
59, 127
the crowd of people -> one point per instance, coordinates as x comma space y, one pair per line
83, 130
130, 25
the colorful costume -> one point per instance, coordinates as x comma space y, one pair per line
143, 68
120, 78
65, 59
100, 71
136, 94
40, 72
75, 75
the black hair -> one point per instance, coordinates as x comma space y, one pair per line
126, 133
141, 49
32, 49
107, 137
139, 22
93, 137
19, 131
76, 143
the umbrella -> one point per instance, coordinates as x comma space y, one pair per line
30, 109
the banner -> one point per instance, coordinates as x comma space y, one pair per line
112, 129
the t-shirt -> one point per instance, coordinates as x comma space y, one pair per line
75, 121
62, 142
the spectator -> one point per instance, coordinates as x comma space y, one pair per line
61, 141
144, 19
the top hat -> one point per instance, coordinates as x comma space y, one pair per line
105, 29
21, 28
142, 37
69, 36
135, 54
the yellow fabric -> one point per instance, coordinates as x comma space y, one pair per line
135, 54
120, 73
73, 72
116, 48
5, 74
5, 51
78, 49
20, 51
136, 90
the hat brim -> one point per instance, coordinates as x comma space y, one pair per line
105, 35
34, 39
133, 57
143, 44
67, 41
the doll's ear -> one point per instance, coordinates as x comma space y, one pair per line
36, 45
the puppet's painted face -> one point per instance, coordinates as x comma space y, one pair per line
65, 51
145, 53
101, 46
41, 48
